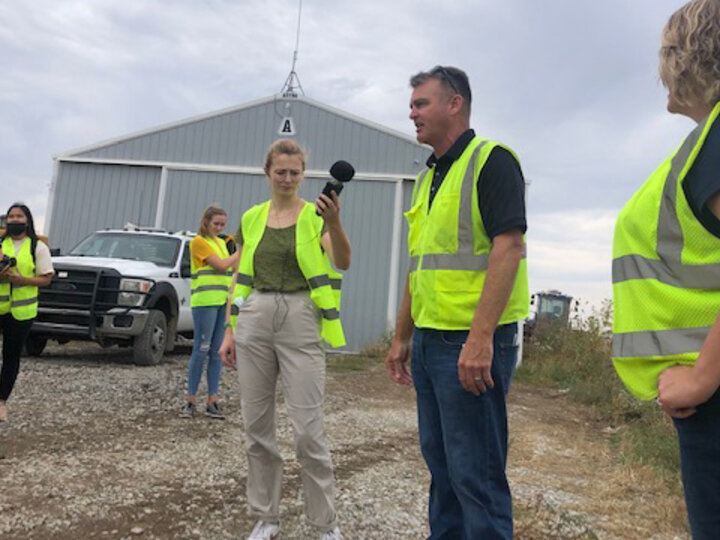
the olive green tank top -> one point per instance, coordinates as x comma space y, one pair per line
275, 265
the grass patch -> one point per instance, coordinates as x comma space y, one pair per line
345, 363
579, 362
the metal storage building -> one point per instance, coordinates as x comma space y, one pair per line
166, 176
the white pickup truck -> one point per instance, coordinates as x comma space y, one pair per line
127, 287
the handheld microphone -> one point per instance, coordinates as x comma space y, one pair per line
341, 171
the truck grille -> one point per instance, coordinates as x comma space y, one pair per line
81, 288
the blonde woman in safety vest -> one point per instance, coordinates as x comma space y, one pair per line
31, 267
292, 302
211, 270
666, 266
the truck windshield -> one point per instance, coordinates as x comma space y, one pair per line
553, 308
160, 250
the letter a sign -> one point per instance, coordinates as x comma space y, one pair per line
287, 127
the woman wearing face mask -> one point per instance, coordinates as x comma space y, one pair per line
292, 304
19, 282
666, 266
211, 269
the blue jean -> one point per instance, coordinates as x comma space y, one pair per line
699, 438
209, 329
463, 437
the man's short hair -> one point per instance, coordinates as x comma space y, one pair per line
453, 79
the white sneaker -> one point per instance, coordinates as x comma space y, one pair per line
332, 535
265, 531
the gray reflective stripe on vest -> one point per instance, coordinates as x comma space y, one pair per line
4, 298
205, 288
319, 281
659, 342
212, 272
244, 279
336, 283
669, 232
25, 302
693, 276
453, 261
466, 231
668, 268
330, 314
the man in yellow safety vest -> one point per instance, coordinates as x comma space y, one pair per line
465, 293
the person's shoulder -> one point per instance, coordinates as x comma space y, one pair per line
41, 247
198, 242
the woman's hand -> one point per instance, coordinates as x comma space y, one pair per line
329, 208
16, 279
682, 387
227, 349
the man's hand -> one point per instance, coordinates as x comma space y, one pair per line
682, 387
227, 349
397, 362
474, 365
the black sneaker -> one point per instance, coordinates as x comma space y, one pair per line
188, 410
213, 411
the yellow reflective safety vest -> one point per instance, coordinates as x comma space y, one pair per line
449, 248
19, 300
324, 282
666, 274
210, 287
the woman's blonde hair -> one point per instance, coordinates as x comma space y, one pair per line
209, 213
690, 53
283, 146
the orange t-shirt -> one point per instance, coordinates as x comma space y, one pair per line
200, 250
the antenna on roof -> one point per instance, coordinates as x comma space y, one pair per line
292, 83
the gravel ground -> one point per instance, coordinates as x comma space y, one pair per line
95, 449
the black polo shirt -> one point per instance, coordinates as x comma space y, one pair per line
500, 186
702, 181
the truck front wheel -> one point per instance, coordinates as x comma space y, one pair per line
149, 346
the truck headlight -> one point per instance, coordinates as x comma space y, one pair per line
131, 291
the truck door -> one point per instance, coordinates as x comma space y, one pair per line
182, 286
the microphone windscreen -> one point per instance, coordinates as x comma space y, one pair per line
342, 171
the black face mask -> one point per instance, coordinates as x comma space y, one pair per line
16, 229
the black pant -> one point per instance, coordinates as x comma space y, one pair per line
14, 334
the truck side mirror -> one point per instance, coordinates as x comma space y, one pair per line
185, 270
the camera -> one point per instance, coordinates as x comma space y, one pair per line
7, 262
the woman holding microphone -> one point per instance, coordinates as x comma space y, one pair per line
666, 266
292, 298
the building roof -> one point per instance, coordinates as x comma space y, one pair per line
239, 136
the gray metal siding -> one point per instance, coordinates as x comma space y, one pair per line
188, 193
241, 137
89, 197
367, 215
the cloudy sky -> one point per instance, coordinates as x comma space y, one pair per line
571, 85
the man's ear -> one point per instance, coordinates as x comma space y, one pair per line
456, 103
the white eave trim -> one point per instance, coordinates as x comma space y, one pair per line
204, 167
229, 110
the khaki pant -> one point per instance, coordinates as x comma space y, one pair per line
278, 335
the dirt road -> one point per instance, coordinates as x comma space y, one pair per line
95, 449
